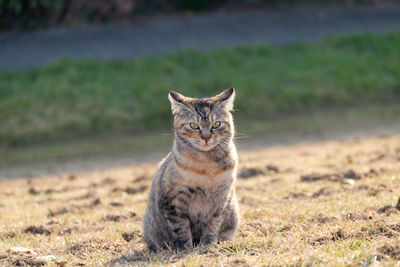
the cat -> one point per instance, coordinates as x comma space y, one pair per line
192, 199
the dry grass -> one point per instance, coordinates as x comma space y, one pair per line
308, 204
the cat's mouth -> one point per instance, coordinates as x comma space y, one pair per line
206, 146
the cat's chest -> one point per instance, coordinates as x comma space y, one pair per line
205, 170
205, 201
205, 175
201, 204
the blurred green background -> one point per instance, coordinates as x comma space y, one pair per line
73, 99
33, 14
78, 107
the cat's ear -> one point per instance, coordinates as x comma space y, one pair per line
177, 101
226, 98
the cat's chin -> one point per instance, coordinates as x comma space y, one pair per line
205, 148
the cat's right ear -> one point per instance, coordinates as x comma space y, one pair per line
176, 100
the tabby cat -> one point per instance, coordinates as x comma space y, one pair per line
192, 199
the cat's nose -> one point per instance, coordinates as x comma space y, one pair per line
206, 138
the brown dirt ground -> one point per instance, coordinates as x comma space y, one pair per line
328, 202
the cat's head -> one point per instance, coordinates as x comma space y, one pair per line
204, 123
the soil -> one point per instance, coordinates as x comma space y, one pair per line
37, 230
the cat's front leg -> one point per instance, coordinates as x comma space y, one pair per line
175, 213
211, 230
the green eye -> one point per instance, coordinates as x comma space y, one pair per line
216, 124
194, 126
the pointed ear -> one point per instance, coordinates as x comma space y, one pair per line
226, 98
177, 101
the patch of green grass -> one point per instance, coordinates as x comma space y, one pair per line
72, 99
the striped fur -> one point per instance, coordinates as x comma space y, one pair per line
192, 199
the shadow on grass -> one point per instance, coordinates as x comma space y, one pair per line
139, 257
143, 256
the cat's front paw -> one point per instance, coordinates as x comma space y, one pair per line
208, 239
181, 244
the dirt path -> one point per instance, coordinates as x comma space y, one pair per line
208, 31
83, 164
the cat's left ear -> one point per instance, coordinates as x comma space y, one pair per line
177, 101
226, 98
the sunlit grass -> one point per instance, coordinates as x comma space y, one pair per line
284, 221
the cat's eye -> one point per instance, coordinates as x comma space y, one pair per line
216, 124
194, 126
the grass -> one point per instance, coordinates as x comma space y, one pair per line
75, 99
333, 219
